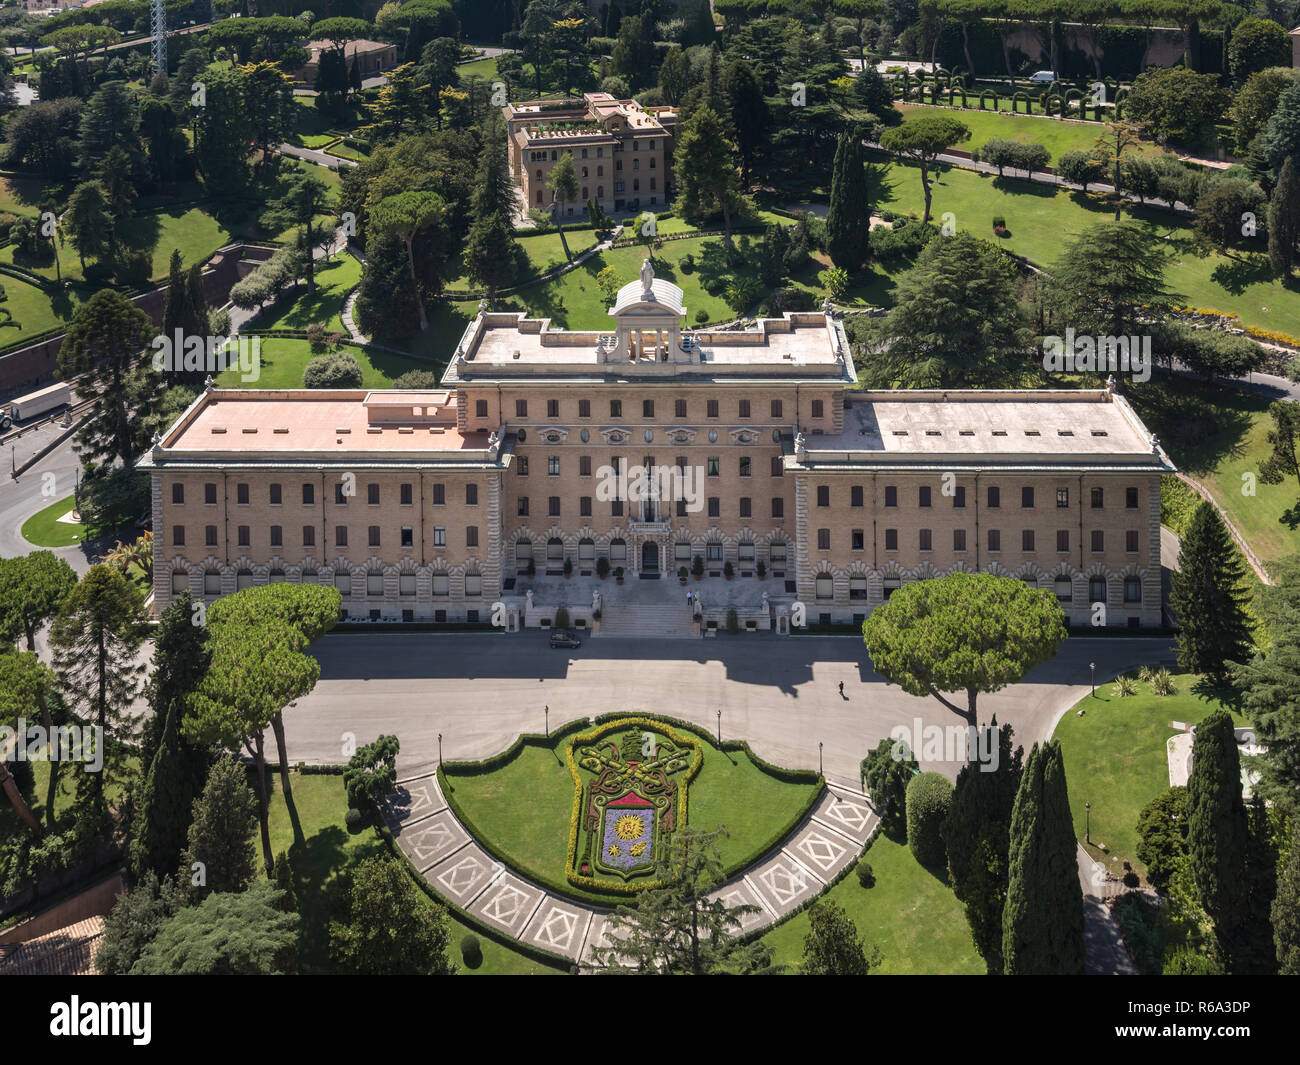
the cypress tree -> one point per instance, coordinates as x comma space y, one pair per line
177, 312
848, 223
176, 769
976, 837
1208, 599
1286, 909
198, 301
1042, 925
221, 833
1217, 832
1284, 219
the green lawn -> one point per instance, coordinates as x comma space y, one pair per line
334, 280
1115, 759
20, 193
35, 310
285, 358
1057, 136
1039, 218
329, 850
45, 530
910, 915
1217, 434
484, 68
524, 808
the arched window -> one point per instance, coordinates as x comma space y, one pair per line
1064, 589
244, 579
825, 586
586, 551
277, 576
180, 581
1132, 589
1097, 590
523, 552
618, 550
212, 582
554, 549
473, 584
857, 587
343, 582
375, 583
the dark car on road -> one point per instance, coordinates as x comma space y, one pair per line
564, 638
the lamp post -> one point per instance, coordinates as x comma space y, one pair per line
547, 711
1092, 672
719, 726
439, 750
1087, 822
819, 759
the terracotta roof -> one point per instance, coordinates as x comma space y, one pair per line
66, 952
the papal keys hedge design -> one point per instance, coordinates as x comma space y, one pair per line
630, 781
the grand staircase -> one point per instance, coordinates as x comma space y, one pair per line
659, 621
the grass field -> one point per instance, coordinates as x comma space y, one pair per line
285, 358
34, 310
45, 530
1115, 758
20, 193
1039, 218
334, 280
524, 808
1217, 434
330, 850
911, 916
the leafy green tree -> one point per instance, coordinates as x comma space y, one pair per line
1108, 279
848, 222
135, 920
371, 773
269, 108
94, 640
86, 221
564, 190
956, 321
490, 260
1256, 44
227, 934
1162, 835
32, 588
223, 131
164, 143
1217, 830
963, 632
1175, 103
885, 772
176, 771
405, 215
23, 678
833, 947
706, 178
305, 200
748, 114
1284, 219
1286, 909
929, 799
219, 853
679, 929
1254, 103
104, 343
390, 930
921, 141
1083, 168
1208, 598
1280, 137
1220, 210
111, 119
1042, 926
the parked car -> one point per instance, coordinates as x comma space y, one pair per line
1042, 77
564, 638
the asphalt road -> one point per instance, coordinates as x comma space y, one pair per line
35, 490
780, 693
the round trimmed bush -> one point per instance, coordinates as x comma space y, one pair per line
338, 369
354, 819
470, 950
866, 876
929, 795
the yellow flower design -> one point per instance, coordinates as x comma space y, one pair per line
613, 850
628, 827
637, 849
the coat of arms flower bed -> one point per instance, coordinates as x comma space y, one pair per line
630, 782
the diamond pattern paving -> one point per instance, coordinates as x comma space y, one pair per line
847, 813
823, 852
413, 800
508, 903
739, 893
427, 842
463, 875
559, 926
784, 883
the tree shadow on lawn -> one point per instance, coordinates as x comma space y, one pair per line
319, 864
1237, 272
1229, 698
1201, 425
143, 231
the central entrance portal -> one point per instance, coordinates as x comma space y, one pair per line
650, 557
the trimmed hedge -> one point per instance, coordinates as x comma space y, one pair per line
929, 795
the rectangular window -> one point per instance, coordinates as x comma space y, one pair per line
340, 495
209, 536
372, 495
616, 408
817, 408
1027, 498
923, 540
521, 408
744, 409
1062, 498
178, 535
746, 507
474, 584
1131, 498
471, 536
554, 506
959, 539
891, 495
340, 536
277, 536
178, 495
308, 495
584, 408
823, 539
778, 507
924, 494
406, 493
522, 507
647, 408
1027, 540
616, 508
995, 540
439, 495
959, 498
309, 536
480, 408
1098, 541
823, 495
681, 508
679, 408
441, 587
523, 465
995, 497
552, 408
241, 495
891, 539
408, 536
439, 536
776, 408
210, 494
713, 466
1063, 540
374, 536
584, 506
713, 551
855, 495
857, 539
471, 495
244, 536
778, 467
1097, 499
711, 408
715, 507
744, 465
584, 465
1131, 541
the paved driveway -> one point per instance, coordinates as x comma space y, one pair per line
780, 693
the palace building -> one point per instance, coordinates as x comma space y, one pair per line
549, 458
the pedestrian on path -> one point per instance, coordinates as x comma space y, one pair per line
841, 689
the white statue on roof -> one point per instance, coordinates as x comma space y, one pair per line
647, 278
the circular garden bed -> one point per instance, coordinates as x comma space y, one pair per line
590, 812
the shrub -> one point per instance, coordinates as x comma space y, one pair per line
316, 336
420, 379
337, 369
470, 950
1145, 673
701, 316
354, 819
687, 263
6, 220
561, 617
697, 566
866, 877
999, 222
905, 239
1162, 682
1125, 685
733, 623
728, 570
929, 795
602, 567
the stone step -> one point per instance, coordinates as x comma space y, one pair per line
652, 622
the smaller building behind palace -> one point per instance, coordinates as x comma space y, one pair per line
592, 470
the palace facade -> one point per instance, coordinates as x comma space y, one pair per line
548, 455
